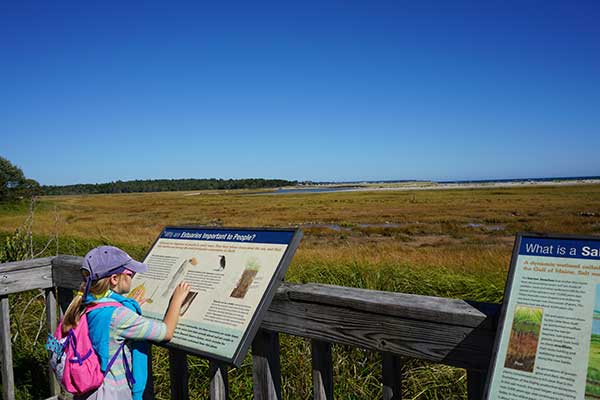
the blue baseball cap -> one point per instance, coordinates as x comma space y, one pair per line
104, 261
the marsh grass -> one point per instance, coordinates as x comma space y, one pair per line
435, 243
527, 320
573, 209
28, 327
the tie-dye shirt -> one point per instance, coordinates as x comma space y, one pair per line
125, 324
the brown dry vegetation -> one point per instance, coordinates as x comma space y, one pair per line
243, 284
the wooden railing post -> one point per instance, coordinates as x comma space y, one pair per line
219, 381
178, 370
266, 368
475, 384
322, 370
51, 323
8, 377
392, 376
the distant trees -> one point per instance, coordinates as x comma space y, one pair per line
13, 183
165, 185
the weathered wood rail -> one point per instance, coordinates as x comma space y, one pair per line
446, 331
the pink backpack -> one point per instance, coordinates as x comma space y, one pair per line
73, 359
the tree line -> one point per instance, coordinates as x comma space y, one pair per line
14, 185
165, 185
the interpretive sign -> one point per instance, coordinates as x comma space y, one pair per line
548, 341
233, 275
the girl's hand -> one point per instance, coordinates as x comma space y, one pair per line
139, 297
172, 315
180, 292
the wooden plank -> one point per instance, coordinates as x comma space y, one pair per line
219, 381
460, 346
423, 308
66, 276
68, 261
51, 309
392, 376
178, 371
475, 384
8, 377
322, 370
16, 281
51, 323
266, 368
66, 272
25, 264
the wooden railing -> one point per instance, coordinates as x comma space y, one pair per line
446, 331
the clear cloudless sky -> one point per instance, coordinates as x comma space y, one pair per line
325, 91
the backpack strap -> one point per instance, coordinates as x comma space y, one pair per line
114, 357
128, 372
72, 341
102, 304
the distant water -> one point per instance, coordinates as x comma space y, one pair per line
487, 227
312, 190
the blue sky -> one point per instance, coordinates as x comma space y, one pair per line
321, 91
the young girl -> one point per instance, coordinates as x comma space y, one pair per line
108, 272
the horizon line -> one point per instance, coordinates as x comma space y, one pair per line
325, 182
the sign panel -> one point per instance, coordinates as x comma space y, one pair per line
233, 274
548, 341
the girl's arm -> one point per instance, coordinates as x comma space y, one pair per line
129, 325
172, 316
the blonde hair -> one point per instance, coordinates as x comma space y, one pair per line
77, 308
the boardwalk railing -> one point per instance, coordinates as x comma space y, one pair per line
446, 331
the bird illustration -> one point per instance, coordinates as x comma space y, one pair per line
222, 263
179, 274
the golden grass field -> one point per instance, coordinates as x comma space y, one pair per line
463, 231
451, 243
